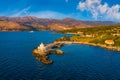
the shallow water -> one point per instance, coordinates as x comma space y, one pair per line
80, 62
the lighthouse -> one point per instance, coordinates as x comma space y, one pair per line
42, 48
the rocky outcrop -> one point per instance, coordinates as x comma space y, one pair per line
55, 51
43, 58
49, 49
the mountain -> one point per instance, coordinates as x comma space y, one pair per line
34, 23
11, 26
100, 23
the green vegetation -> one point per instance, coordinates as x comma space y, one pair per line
96, 35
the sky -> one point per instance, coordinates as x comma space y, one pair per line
102, 10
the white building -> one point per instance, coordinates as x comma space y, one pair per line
41, 48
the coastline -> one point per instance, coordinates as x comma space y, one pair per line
91, 44
42, 52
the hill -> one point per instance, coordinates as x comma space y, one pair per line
11, 26
34, 23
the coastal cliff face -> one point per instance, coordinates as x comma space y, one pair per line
34, 23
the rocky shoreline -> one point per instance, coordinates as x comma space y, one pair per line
43, 56
92, 44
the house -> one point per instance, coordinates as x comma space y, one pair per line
89, 35
116, 34
79, 32
109, 42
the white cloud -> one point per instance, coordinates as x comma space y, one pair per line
48, 14
97, 9
40, 14
23, 12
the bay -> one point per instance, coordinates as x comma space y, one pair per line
79, 62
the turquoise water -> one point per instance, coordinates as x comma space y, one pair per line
80, 62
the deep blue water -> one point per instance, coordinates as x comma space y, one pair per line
80, 62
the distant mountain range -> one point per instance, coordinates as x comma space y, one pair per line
34, 23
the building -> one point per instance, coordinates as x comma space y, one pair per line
41, 48
89, 35
109, 42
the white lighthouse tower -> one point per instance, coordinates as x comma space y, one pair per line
41, 49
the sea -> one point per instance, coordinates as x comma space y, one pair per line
79, 62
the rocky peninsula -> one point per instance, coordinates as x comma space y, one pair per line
42, 52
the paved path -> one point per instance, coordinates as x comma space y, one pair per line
50, 46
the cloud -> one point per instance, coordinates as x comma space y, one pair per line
23, 12
48, 14
97, 9
40, 14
